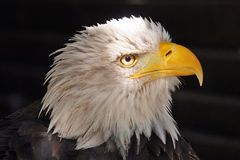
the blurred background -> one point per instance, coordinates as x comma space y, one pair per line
208, 116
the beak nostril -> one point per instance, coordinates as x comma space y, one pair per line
168, 53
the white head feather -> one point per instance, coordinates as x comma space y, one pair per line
91, 97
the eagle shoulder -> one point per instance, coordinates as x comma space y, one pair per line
24, 136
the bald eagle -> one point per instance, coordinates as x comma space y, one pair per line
108, 98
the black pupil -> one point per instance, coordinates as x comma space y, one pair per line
127, 58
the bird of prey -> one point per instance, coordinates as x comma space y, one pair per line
108, 98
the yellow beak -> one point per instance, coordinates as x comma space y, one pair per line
171, 60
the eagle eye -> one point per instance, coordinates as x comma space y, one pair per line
128, 60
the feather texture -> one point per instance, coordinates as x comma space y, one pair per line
90, 96
24, 136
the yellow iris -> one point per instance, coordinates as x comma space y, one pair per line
128, 60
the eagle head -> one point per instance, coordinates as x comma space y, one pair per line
114, 80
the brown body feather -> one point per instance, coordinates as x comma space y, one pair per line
24, 136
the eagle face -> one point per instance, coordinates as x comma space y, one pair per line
114, 80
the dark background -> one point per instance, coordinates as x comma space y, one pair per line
208, 116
